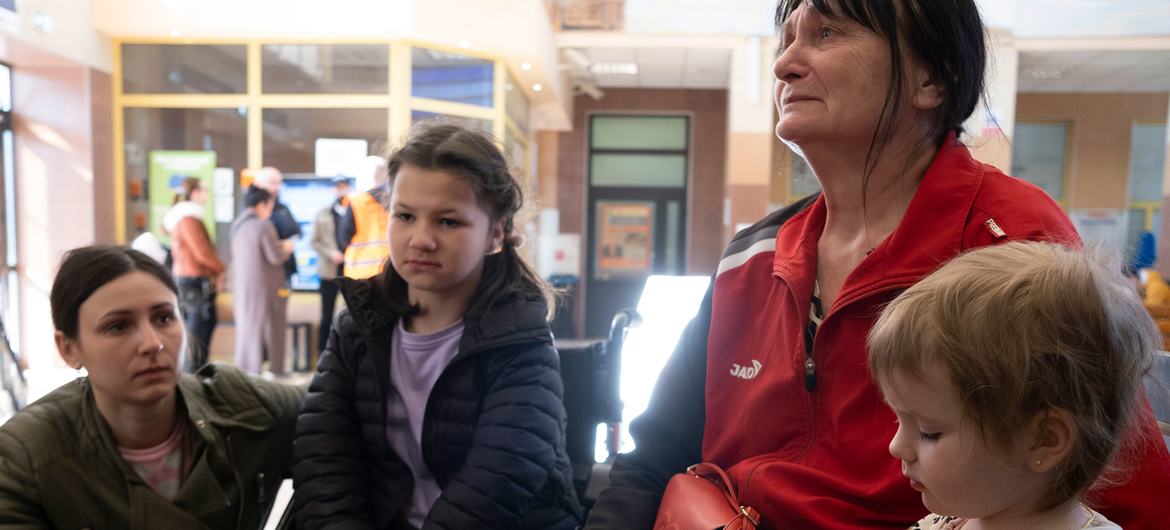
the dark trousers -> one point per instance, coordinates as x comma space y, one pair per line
328, 303
197, 298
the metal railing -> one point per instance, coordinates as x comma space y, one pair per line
596, 15
12, 381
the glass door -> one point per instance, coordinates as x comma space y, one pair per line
9, 257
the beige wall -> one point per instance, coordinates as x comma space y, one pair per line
62, 124
1098, 165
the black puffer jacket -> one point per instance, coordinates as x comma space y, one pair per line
493, 434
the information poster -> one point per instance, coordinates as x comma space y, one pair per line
625, 238
167, 171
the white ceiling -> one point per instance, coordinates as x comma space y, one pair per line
1094, 71
659, 67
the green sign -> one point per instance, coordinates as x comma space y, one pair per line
167, 171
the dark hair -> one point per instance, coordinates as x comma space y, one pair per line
189, 186
946, 36
255, 195
86, 269
439, 145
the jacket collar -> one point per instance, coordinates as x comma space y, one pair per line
930, 233
510, 320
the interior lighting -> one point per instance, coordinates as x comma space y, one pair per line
1046, 72
176, 33
667, 305
614, 68
537, 87
526, 66
464, 44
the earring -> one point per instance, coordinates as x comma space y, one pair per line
1037, 461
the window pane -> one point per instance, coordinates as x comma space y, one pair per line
223, 131
638, 170
517, 104
673, 230
326, 69
417, 116
290, 135
1038, 152
804, 181
639, 132
184, 69
1147, 157
451, 77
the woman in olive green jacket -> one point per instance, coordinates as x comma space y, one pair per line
134, 444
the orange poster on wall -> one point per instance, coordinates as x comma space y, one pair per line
625, 238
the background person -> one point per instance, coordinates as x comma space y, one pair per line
258, 276
330, 259
437, 403
196, 265
363, 228
134, 444
873, 94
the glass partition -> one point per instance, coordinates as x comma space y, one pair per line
326, 68
291, 135
184, 69
452, 77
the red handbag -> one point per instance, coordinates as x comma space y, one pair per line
703, 498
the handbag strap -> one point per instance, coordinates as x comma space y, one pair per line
716, 474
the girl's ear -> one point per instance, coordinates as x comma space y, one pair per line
1053, 435
496, 237
67, 347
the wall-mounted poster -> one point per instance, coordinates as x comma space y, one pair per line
625, 238
167, 171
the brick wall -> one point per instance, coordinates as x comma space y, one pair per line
708, 111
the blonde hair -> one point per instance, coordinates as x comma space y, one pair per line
1022, 328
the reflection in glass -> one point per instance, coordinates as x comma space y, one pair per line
516, 104
326, 68
184, 69
417, 116
451, 77
223, 131
290, 135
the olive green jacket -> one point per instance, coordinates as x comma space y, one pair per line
60, 468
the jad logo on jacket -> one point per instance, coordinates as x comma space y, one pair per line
746, 372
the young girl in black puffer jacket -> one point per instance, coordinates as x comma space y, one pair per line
437, 401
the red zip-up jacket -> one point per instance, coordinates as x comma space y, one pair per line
804, 435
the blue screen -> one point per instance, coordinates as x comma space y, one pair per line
305, 198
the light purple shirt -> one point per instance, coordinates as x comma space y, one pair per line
416, 362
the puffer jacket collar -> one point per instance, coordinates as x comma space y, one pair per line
509, 321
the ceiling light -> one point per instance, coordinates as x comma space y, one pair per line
526, 66
464, 44
614, 68
537, 87
176, 33
1046, 72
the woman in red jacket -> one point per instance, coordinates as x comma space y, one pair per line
196, 265
874, 95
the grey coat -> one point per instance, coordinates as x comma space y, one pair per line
259, 310
324, 241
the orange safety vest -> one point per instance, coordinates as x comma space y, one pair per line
370, 246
